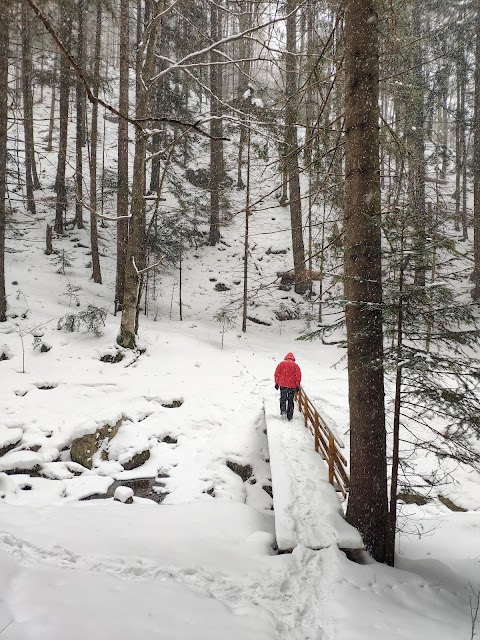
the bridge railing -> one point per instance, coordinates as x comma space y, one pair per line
326, 443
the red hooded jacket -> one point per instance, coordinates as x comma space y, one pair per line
287, 373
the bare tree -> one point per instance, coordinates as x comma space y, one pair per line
122, 166
216, 144
60, 186
31, 178
136, 239
96, 272
302, 282
80, 113
476, 162
4, 44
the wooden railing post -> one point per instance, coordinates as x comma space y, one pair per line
325, 442
315, 430
331, 458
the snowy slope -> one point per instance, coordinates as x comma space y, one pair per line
202, 564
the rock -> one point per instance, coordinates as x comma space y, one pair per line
123, 494
5, 353
268, 489
16, 462
9, 438
113, 358
174, 404
135, 461
221, 287
169, 440
245, 471
83, 449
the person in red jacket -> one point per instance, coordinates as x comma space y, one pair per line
287, 377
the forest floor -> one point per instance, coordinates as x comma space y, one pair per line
201, 564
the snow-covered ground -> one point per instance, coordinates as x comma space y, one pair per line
202, 563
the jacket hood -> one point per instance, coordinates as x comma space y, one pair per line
290, 356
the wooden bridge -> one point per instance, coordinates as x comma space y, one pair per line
309, 479
326, 443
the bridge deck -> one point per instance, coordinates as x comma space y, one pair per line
307, 508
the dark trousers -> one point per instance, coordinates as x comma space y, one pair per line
286, 401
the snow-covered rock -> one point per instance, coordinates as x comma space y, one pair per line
123, 494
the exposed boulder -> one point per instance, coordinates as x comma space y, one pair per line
123, 494
245, 471
16, 462
84, 448
136, 460
9, 438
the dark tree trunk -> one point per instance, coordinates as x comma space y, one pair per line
31, 177
476, 164
245, 22
80, 120
96, 272
158, 108
302, 283
367, 504
60, 187
52, 104
4, 43
417, 165
136, 239
216, 145
122, 167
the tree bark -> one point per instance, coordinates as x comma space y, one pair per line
476, 163
122, 166
302, 283
367, 504
417, 165
244, 23
96, 271
216, 145
60, 187
4, 44
52, 104
80, 119
31, 177
136, 239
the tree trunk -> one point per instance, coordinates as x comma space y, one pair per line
302, 283
80, 119
51, 123
31, 177
122, 166
96, 272
392, 514
476, 163
246, 239
4, 43
367, 504
216, 145
244, 23
60, 187
136, 239
417, 165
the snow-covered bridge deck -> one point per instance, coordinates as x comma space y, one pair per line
307, 508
